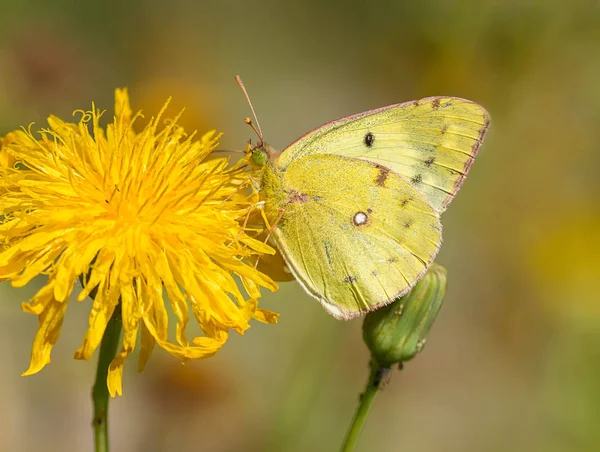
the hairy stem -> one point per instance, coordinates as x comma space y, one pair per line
376, 377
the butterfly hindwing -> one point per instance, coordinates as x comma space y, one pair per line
354, 233
431, 143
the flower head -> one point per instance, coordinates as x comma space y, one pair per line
144, 220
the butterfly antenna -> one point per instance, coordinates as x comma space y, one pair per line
234, 151
248, 121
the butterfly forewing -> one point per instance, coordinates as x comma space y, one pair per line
430, 143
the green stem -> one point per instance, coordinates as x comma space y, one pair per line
376, 377
100, 396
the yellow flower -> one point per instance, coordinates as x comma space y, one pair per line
6, 159
143, 219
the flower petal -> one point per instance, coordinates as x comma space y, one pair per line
51, 320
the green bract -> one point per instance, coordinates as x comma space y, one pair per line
398, 331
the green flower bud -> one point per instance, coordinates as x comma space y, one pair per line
397, 332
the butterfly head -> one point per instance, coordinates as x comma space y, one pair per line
259, 157
260, 154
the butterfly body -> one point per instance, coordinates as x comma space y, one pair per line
355, 205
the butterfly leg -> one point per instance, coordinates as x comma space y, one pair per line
242, 186
252, 207
270, 228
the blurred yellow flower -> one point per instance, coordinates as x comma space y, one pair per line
144, 219
563, 259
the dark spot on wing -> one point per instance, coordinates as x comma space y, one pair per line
444, 129
369, 139
326, 246
416, 103
392, 260
349, 279
382, 176
405, 202
295, 196
408, 224
417, 179
374, 274
429, 161
435, 104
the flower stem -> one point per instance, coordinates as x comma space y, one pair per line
376, 377
100, 396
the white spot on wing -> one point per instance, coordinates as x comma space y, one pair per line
360, 218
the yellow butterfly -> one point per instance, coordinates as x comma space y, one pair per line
354, 206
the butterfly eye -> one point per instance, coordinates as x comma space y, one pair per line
259, 157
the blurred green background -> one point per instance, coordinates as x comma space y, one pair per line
512, 363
